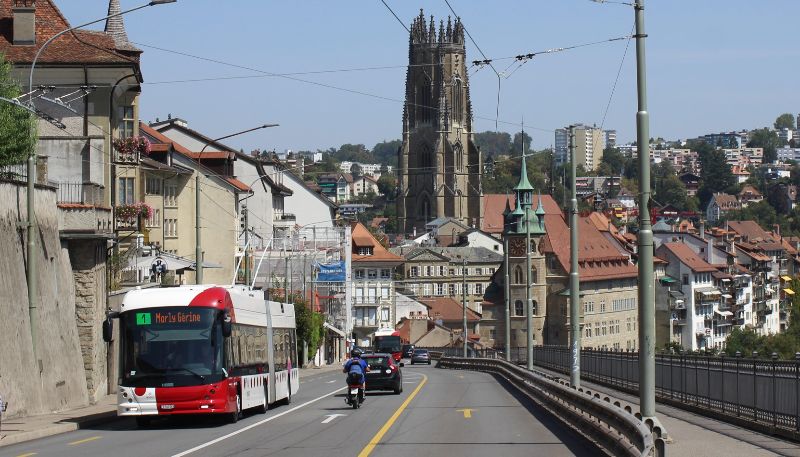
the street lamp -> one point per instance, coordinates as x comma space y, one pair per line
31, 222
198, 252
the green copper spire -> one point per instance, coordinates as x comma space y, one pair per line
524, 184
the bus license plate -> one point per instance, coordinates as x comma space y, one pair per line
167, 406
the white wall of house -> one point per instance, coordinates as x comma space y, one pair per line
479, 239
261, 215
307, 205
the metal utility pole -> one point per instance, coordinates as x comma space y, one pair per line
574, 294
529, 299
285, 274
508, 297
348, 278
464, 302
246, 246
198, 248
647, 323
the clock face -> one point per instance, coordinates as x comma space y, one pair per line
516, 247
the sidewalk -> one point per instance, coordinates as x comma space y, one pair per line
693, 434
21, 429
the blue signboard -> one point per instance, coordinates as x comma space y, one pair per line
332, 272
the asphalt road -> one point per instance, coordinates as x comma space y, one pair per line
440, 413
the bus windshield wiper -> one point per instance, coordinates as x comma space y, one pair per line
202, 378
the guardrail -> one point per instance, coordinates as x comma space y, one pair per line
618, 431
755, 393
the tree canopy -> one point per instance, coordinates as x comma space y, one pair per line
767, 139
17, 125
493, 143
785, 121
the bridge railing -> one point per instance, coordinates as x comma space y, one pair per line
607, 424
756, 393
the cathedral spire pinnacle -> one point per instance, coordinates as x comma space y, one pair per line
449, 30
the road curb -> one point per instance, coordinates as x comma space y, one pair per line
65, 426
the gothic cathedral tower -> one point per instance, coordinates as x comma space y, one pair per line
439, 165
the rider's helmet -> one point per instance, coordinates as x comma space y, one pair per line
356, 353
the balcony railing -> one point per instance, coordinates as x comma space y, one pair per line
82, 193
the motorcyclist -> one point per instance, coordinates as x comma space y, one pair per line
355, 368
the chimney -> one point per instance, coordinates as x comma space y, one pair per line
24, 13
702, 230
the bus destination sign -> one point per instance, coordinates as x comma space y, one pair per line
168, 317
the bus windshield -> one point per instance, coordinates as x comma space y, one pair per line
171, 346
387, 344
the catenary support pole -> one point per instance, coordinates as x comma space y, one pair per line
528, 297
647, 361
507, 286
574, 293
465, 334
246, 247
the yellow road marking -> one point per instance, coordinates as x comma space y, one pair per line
84, 440
378, 436
467, 412
29, 454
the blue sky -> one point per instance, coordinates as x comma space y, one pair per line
713, 65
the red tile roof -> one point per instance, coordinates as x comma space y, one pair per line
362, 237
685, 254
495, 204
448, 310
78, 46
598, 259
239, 185
750, 230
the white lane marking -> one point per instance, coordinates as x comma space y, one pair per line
331, 417
331, 382
251, 426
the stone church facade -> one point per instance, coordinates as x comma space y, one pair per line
439, 173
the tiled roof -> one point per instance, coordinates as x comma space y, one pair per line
362, 237
749, 230
495, 204
239, 185
78, 46
211, 155
377, 221
597, 258
447, 309
726, 201
684, 254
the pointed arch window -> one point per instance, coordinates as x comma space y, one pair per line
519, 308
457, 102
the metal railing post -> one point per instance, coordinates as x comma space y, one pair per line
774, 390
796, 392
722, 382
755, 391
738, 400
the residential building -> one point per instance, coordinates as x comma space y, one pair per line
369, 169
476, 238
785, 134
610, 138
336, 186
443, 271
364, 185
373, 271
726, 139
748, 195
695, 321
787, 153
720, 204
589, 142
174, 231
449, 313
93, 77
267, 217
439, 174
692, 183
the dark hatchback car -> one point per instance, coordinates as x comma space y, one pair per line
384, 373
408, 350
420, 356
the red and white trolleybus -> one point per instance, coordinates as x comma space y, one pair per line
204, 350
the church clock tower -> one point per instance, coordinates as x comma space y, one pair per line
517, 224
439, 166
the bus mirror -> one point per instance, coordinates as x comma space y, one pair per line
108, 330
227, 327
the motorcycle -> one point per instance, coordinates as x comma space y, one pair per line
355, 393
